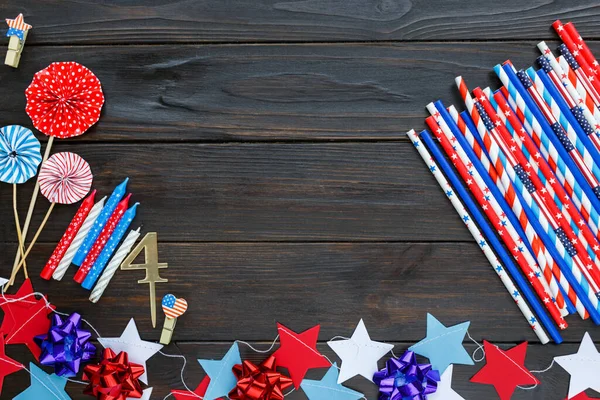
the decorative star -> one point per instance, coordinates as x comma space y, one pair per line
44, 386
146, 393
505, 369
298, 352
583, 366
444, 389
443, 346
27, 324
7, 364
359, 354
26, 299
328, 388
582, 396
198, 392
138, 350
222, 379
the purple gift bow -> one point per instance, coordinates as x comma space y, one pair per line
404, 379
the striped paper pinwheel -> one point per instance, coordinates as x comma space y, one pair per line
65, 178
19, 160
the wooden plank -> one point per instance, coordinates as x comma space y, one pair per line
240, 290
268, 92
90, 22
264, 192
164, 372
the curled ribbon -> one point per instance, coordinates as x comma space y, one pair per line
260, 382
404, 379
66, 345
114, 378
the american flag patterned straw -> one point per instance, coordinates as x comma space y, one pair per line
65, 178
582, 47
479, 238
581, 75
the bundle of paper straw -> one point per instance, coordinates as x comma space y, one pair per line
529, 153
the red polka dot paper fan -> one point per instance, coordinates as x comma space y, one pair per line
64, 99
65, 178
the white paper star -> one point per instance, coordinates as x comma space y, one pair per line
359, 354
137, 349
444, 390
146, 393
583, 366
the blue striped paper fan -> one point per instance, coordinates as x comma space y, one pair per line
19, 154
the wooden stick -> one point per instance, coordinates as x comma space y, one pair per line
18, 225
34, 196
35, 237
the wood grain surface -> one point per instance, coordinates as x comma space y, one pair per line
265, 142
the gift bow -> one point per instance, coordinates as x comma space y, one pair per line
404, 379
260, 382
114, 378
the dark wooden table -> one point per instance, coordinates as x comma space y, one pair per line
265, 142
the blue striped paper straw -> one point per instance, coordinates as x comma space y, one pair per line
496, 194
563, 114
481, 240
487, 231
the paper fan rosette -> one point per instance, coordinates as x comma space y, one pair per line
19, 154
64, 99
65, 178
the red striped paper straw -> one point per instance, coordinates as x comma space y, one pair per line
567, 210
582, 46
588, 100
511, 245
590, 72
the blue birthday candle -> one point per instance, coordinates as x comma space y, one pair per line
109, 248
105, 214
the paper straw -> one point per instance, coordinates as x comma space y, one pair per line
471, 178
520, 100
528, 210
481, 190
554, 259
580, 72
572, 77
496, 265
583, 47
563, 115
65, 262
564, 214
570, 44
489, 234
114, 264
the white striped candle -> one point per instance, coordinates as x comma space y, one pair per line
81, 234
116, 261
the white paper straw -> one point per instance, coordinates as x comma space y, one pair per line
116, 261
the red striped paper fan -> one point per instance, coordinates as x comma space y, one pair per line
65, 178
64, 99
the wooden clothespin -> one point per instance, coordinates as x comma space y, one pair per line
17, 32
173, 308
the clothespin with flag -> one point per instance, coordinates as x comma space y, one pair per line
17, 32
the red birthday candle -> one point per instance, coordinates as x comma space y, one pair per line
96, 249
68, 236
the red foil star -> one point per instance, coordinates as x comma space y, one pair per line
114, 378
260, 382
505, 369
7, 364
298, 352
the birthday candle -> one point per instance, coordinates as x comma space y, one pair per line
110, 247
103, 238
114, 264
65, 263
68, 236
93, 234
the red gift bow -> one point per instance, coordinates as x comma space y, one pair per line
114, 378
259, 382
